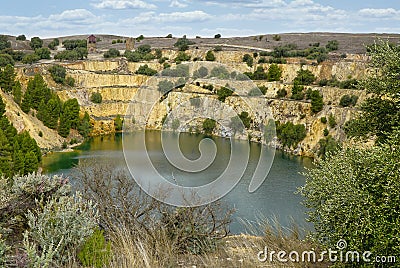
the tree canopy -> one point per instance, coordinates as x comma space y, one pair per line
380, 112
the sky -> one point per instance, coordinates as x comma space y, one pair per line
205, 18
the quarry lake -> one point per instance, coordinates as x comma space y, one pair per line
274, 199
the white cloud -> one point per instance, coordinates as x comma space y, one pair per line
123, 4
182, 17
380, 13
176, 3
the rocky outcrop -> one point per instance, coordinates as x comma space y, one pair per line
117, 83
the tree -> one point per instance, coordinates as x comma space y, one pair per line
217, 36
43, 53
248, 59
2, 107
30, 58
7, 77
304, 77
85, 127
58, 73
290, 134
4, 43
223, 93
52, 45
380, 112
317, 101
348, 100
145, 70
112, 53
274, 72
6, 59
183, 44
53, 108
332, 45
69, 117
210, 56
297, 92
96, 97
208, 125
355, 195
17, 92
71, 44
36, 43
182, 56
118, 123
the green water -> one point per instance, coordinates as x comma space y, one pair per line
275, 199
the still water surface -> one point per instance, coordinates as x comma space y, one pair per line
274, 199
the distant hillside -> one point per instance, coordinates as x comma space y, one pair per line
348, 43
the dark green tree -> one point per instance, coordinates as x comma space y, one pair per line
6, 59
7, 77
30, 58
274, 72
43, 53
304, 77
96, 97
380, 112
209, 125
210, 56
85, 127
223, 93
36, 43
58, 73
2, 107
17, 92
118, 123
4, 43
317, 101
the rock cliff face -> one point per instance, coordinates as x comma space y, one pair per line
117, 83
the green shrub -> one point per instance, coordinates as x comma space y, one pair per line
145, 70
327, 145
276, 37
58, 73
223, 93
210, 56
248, 59
40, 134
182, 56
96, 97
332, 121
217, 36
43, 53
281, 93
317, 101
297, 92
66, 222
118, 123
352, 195
332, 45
5, 60
348, 100
326, 132
112, 53
289, 134
71, 44
323, 120
21, 37
274, 72
96, 251
258, 74
209, 125
36, 42
70, 81
30, 58
304, 77
52, 45
183, 44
